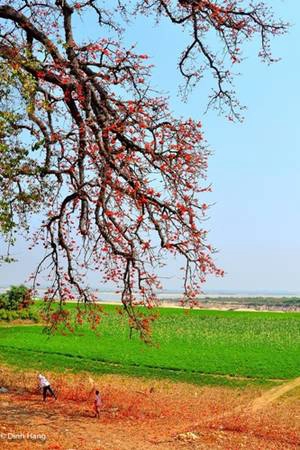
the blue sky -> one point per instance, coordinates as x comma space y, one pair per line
255, 219
255, 166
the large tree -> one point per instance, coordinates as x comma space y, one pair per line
87, 144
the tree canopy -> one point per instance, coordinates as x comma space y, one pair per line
88, 145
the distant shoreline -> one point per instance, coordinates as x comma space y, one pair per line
172, 295
257, 304
236, 302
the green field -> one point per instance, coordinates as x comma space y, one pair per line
198, 346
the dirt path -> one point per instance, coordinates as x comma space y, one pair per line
273, 394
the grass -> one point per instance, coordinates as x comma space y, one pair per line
196, 346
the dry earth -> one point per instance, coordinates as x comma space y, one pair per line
144, 415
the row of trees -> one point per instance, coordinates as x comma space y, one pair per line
86, 143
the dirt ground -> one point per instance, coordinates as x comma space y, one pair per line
144, 415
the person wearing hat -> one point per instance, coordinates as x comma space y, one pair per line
45, 386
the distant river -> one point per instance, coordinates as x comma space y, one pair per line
112, 296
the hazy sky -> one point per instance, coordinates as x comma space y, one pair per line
254, 169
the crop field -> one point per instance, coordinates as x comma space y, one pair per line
198, 346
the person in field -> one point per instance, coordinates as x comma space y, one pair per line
45, 387
97, 404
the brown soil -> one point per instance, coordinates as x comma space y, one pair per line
144, 415
273, 394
